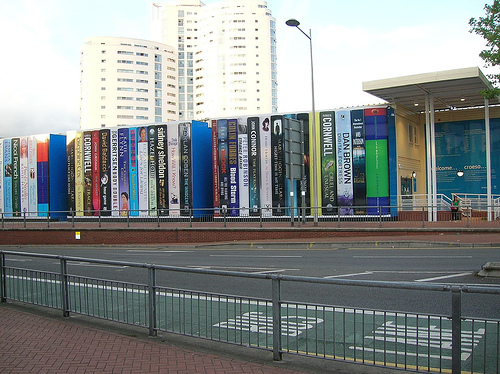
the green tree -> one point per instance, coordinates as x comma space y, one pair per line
489, 28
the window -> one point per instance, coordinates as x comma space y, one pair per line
141, 108
124, 107
125, 62
141, 117
125, 71
412, 134
125, 89
142, 90
141, 63
125, 53
125, 80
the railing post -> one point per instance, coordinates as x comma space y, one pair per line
152, 300
72, 217
64, 287
379, 216
338, 216
48, 219
2, 220
3, 279
276, 300
423, 217
190, 217
158, 218
128, 218
224, 211
260, 216
456, 330
468, 214
99, 212
24, 218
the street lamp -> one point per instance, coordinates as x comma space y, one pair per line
294, 23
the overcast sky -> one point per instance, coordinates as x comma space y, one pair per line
353, 42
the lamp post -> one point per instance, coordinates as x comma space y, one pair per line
294, 23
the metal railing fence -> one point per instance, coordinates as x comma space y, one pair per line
397, 339
336, 217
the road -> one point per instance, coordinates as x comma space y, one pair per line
449, 265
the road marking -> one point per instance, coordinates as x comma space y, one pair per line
258, 322
274, 271
140, 251
443, 277
249, 269
395, 256
249, 256
88, 264
348, 275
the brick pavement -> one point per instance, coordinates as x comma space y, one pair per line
34, 344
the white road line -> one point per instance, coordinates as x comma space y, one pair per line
273, 271
411, 256
142, 251
88, 264
247, 256
443, 277
348, 275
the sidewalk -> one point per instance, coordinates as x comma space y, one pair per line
37, 340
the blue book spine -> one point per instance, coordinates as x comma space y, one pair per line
123, 171
359, 160
58, 190
232, 135
201, 169
223, 164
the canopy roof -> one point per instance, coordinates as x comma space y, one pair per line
452, 89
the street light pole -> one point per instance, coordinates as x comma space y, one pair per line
294, 23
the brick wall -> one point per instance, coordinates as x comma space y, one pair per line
164, 236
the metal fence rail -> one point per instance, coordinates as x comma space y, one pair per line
398, 339
406, 215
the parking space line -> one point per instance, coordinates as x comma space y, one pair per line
348, 275
442, 277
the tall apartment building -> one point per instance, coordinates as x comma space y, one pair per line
127, 82
226, 56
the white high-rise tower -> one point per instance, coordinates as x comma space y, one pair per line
226, 56
127, 82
